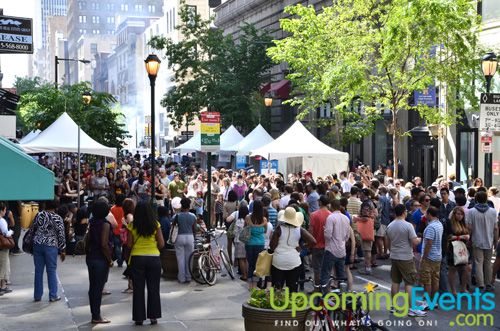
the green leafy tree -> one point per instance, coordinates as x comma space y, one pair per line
41, 104
212, 71
380, 52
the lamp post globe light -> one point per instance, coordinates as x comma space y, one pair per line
489, 65
152, 67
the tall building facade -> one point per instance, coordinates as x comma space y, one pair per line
51, 8
98, 20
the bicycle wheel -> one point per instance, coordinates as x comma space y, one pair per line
227, 263
207, 269
317, 321
194, 269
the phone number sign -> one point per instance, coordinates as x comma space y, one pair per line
16, 35
210, 131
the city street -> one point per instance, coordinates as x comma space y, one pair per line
184, 307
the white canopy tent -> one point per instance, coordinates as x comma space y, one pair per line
297, 150
30, 136
62, 136
228, 139
255, 139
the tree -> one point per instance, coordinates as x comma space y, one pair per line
41, 104
380, 52
212, 71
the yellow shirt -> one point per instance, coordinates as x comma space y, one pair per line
144, 246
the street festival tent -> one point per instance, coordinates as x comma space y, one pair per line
298, 150
30, 136
62, 137
19, 172
228, 139
255, 139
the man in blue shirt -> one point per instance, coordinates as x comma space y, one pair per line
271, 212
312, 197
430, 264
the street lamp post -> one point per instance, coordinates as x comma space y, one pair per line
152, 67
268, 101
87, 97
489, 64
56, 62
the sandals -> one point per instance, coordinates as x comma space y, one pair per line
128, 291
106, 292
101, 321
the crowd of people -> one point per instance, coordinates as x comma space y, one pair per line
332, 224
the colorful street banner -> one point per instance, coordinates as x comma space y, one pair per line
210, 131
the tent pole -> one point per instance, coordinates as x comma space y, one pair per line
269, 164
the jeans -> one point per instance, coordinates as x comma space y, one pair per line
146, 272
252, 252
331, 261
482, 259
443, 275
45, 257
184, 246
117, 243
98, 276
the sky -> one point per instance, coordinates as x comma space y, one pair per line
13, 65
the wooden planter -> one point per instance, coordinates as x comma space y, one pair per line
169, 263
259, 319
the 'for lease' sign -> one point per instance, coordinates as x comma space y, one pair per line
16, 35
489, 118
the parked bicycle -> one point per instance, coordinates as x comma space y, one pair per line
350, 319
205, 261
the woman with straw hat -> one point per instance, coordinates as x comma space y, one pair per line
284, 243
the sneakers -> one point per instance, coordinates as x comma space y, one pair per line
416, 313
490, 288
55, 299
366, 271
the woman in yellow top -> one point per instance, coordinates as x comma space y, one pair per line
145, 240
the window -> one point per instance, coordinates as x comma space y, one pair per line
81, 5
82, 19
95, 19
138, 7
490, 10
110, 32
93, 48
151, 8
95, 5
96, 31
110, 19
110, 6
124, 7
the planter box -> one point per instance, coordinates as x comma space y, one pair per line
259, 319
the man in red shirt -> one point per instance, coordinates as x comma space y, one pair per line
317, 228
117, 211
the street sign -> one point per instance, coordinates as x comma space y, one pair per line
487, 139
496, 168
426, 97
187, 133
241, 161
486, 147
489, 117
16, 35
210, 131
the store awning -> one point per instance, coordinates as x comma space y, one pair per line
281, 89
22, 177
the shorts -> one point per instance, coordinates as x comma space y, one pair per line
403, 270
429, 271
366, 245
317, 259
381, 231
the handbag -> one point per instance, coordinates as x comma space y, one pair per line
366, 228
245, 235
6, 242
174, 231
230, 230
460, 253
263, 265
28, 240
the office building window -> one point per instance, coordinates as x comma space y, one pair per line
124, 7
490, 10
82, 19
151, 8
138, 7
93, 48
110, 6
95, 19
95, 5
96, 31
110, 19
81, 5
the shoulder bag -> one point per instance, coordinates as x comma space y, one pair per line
174, 231
245, 234
6, 242
460, 253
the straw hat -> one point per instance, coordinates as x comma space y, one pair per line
291, 216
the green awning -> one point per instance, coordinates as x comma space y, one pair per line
21, 177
